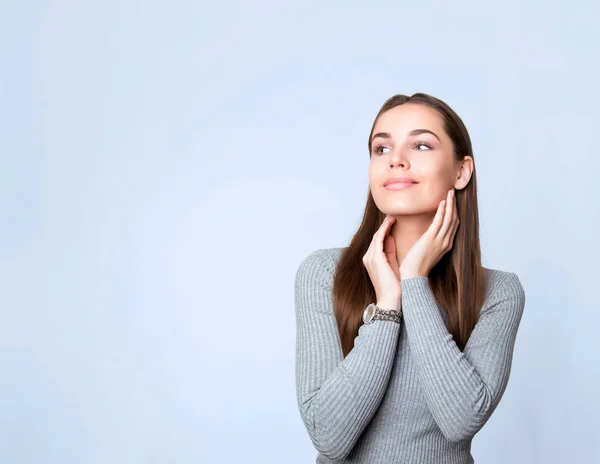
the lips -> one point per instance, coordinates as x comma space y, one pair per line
400, 185
399, 180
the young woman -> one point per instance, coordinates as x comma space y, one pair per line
404, 340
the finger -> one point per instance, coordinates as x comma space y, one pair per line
449, 242
454, 228
369, 251
389, 246
438, 219
456, 224
373, 245
382, 232
448, 217
382, 227
367, 255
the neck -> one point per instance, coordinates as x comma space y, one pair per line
407, 229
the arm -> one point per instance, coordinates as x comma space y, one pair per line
462, 389
336, 397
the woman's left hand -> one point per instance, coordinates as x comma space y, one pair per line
437, 240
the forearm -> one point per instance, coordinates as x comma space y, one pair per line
462, 389
336, 412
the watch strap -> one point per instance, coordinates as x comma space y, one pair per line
387, 314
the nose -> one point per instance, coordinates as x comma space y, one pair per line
398, 157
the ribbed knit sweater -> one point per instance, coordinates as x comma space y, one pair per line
405, 393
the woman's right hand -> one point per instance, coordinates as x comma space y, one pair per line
382, 266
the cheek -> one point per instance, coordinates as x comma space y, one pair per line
371, 177
439, 170
438, 182
375, 173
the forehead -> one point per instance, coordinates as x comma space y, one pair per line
403, 118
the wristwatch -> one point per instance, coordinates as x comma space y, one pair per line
373, 312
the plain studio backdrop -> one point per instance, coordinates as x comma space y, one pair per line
165, 167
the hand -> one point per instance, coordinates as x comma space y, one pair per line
382, 266
437, 240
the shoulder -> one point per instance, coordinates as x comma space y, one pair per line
319, 264
327, 257
502, 286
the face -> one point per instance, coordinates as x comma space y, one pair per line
402, 151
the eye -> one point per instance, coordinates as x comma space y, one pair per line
421, 143
376, 149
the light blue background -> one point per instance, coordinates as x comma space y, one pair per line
165, 166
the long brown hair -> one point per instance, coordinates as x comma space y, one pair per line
456, 281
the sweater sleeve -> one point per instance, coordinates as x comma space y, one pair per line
462, 389
337, 396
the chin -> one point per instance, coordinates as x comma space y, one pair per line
404, 208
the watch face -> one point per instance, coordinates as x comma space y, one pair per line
369, 313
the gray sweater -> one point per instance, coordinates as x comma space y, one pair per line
405, 393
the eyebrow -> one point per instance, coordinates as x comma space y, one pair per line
387, 135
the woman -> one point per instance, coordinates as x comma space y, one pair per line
416, 382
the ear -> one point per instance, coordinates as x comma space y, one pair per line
465, 171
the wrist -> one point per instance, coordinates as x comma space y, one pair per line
388, 303
412, 273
